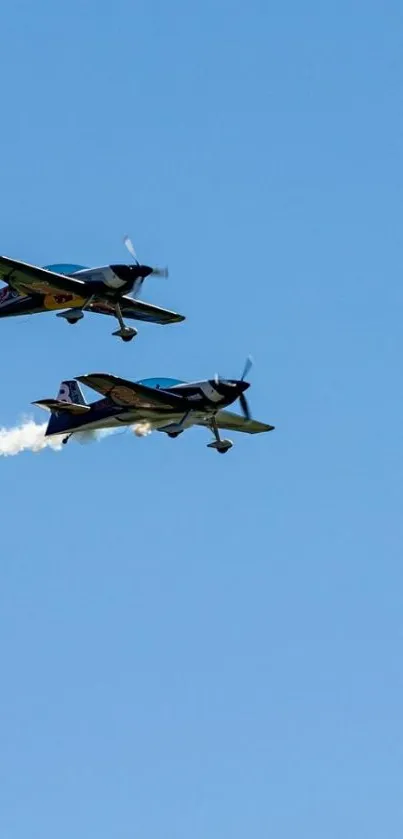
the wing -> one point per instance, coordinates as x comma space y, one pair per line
137, 310
234, 422
25, 277
128, 394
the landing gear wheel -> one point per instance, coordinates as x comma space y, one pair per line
125, 333
72, 321
221, 446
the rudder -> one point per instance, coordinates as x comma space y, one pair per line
70, 391
66, 409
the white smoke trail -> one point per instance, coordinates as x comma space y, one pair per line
93, 435
29, 436
141, 429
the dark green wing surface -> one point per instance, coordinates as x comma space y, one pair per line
21, 275
128, 394
234, 422
133, 309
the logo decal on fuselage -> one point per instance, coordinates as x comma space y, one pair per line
60, 301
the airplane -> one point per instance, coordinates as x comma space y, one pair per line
167, 405
105, 290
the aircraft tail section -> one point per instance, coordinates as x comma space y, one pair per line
66, 408
70, 391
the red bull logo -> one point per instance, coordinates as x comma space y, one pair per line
60, 301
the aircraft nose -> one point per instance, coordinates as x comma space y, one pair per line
243, 386
129, 273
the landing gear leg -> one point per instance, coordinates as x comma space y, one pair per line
221, 446
126, 333
177, 428
66, 439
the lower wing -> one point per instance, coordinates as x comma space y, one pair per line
235, 422
136, 310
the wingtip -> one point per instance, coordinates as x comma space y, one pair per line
39, 403
85, 377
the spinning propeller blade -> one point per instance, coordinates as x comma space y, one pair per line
242, 399
160, 272
130, 247
244, 405
248, 365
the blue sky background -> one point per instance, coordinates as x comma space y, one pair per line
193, 645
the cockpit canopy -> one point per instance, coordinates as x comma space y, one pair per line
64, 268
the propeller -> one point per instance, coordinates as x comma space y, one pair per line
242, 398
156, 272
248, 365
161, 272
244, 406
130, 247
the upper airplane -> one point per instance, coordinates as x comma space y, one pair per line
107, 290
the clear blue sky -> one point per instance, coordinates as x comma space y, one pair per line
191, 645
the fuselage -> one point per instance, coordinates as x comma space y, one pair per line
121, 278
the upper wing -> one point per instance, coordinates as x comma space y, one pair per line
137, 310
22, 275
235, 422
128, 394
32, 279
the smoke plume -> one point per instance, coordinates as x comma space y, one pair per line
29, 436
141, 429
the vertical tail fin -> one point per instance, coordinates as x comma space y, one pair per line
70, 391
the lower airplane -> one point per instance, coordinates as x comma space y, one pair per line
105, 290
167, 405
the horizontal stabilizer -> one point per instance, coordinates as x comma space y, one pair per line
56, 406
